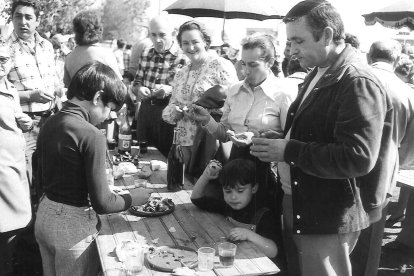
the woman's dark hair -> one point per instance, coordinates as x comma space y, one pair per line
94, 77
87, 27
194, 25
27, 3
405, 68
238, 172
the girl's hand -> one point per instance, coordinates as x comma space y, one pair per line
177, 113
199, 114
239, 234
213, 169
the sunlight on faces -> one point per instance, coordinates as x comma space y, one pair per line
25, 22
161, 35
193, 45
309, 52
255, 66
240, 196
5, 63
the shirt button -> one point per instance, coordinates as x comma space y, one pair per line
298, 231
295, 183
292, 163
291, 114
298, 216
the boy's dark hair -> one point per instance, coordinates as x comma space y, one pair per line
87, 27
319, 14
96, 76
238, 172
27, 3
194, 25
120, 43
262, 41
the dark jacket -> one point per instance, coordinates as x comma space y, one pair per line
340, 138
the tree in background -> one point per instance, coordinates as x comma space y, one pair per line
125, 19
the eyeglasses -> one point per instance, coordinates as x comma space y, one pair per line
3, 60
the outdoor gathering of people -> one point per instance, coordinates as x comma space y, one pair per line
300, 155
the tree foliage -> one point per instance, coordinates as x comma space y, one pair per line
124, 19
56, 15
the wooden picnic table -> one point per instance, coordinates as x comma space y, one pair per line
187, 226
406, 177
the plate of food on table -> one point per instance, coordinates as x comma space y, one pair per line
171, 258
154, 207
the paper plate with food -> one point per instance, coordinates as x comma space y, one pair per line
154, 207
171, 258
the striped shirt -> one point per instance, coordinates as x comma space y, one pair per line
33, 69
159, 68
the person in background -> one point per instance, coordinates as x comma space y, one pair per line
337, 135
72, 156
61, 51
88, 29
71, 43
258, 104
119, 55
138, 49
204, 72
252, 220
352, 40
405, 71
15, 206
33, 74
383, 56
127, 60
153, 84
286, 58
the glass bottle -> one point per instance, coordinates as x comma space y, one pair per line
175, 165
125, 133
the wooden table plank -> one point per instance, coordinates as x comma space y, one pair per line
193, 227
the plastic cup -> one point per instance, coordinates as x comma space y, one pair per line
206, 258
134, 261
227, 252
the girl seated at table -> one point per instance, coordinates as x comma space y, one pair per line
252, 220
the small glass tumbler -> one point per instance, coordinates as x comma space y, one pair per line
227, 252
206, 258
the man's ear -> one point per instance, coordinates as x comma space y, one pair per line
328, 35
271, 62
97, 97
255, 188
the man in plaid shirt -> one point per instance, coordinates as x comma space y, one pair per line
152, 84
33, 72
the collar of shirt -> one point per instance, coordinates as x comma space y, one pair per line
383, 66
37, 39
74, 109
173, 50
267, 86
10, 89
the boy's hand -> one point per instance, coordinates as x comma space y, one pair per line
24, 121
213, 169
140, 195
199, 114
239, 234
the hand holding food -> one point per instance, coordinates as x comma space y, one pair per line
243, 139
213, 169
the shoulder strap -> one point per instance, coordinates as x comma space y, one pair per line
259, 214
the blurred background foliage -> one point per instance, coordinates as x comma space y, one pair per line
121, 18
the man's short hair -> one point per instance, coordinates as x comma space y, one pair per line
387, 50
27, 3
87, 27
120, 43
94, 77
319, 14
405, 68
194, 25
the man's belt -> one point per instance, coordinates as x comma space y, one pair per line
45, 113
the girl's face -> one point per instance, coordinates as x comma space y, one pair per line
193, 45
240, 196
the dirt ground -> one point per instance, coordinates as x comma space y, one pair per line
28, 262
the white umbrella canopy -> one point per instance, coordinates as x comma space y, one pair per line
397, 15
227, 9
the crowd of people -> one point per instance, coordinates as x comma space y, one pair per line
300, 154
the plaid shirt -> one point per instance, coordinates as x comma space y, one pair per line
33, 69
159, 68
127, 59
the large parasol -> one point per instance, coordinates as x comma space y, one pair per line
397, 15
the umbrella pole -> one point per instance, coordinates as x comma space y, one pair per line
224, 23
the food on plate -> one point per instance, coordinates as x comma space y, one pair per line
128, 167
125, 157
166, 258
157, 204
